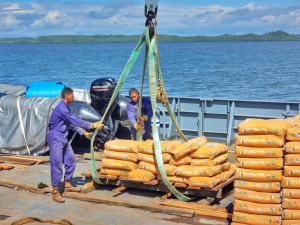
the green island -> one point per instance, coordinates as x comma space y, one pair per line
61, 39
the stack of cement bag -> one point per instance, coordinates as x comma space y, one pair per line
259, 153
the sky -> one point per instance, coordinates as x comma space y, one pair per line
25, 18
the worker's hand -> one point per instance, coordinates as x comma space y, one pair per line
97, 126
138, 126
88, 135
143, 118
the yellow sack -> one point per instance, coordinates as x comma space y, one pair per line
169, 146
118, 164
115, 172
203, 182
175, 179
209, 151
292, 160
170, 170
289, 214
146, 147
257, 197
210, 162
295, 120
122, 146
264, 127
291, 171
267, 141
180, 162
293, 134
290, 222
132, 157
258, 175
189, 146
260, 163
271, 187
257, 208
255, 219
252, 152
292, 147
291, 203
226, 166
140, 175
290, 182
290, 193
229, 173
152, 159
198, 171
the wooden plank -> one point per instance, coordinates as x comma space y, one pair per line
119, 189
221, 185
123, 178
108, 177
87, 174
38, 160
98, 156
180, 185
153, 182
24, 186
119, 202
8, 159
6, 167
164, 197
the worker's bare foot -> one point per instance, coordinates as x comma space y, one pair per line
56, 196
68, 187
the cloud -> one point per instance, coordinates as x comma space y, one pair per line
8, 21
12, 7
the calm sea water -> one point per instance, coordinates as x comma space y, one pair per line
227, 70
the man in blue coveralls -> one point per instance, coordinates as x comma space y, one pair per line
145, 119
61, 152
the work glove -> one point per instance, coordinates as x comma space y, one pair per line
138, 126
97, 126
143, 118
88, 135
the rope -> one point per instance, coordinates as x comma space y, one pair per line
35, 219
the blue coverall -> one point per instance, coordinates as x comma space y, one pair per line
61, 152
132, 112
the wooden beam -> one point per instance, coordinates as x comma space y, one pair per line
14, 160
119, 189
24, 186
98, 156
6, 167
153, 182
164, 197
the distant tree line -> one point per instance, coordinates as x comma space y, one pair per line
57, 39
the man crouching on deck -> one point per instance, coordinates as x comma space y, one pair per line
61, 152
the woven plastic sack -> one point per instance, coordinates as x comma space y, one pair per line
252, 152
292, 147
289, 214
198, 171
180, 162
290, 193
169, 146
257, 208
293, 134
271, 187
290, 182
265, 141
151, 158
140, 175
291, 171
226, 166
118, 164
229, 173
189, 146
132, 157
209, 151
260, 163
122, 146
292, 160
255, 219
259, 175
257, 197
170, 170
115, 172
146, 147
295, 120
264, 127
210, 162
175, 179
291, 203
203, 182
290, 222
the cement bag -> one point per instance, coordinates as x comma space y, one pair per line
189, 146
180, 162
293, 134
289, 203
226, 166
118, 164
115, 172
252, 152
169, 146
203, 182
256, 208
209, 151
258, 175
260, 163
290, 222
151, 158
146, 147
210, 162
175, 179
255, 219
291, 171
140, 175
198, 171
230, 172
292, 147
257, 197
265, 141
264, 127
289, 214
122, 146
170, 170
290, 182
132, 157
295, 120
290, 193
271, 187
292, 160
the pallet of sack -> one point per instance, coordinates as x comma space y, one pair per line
259, 152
